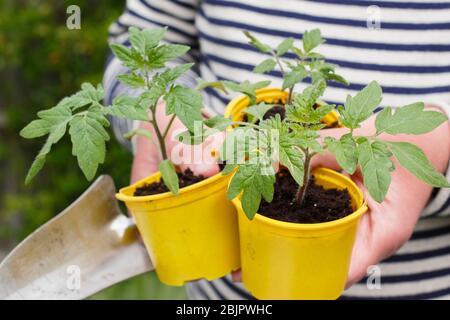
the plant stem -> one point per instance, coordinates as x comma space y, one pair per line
161, 137
168, 126
277, 59
291, 91
161, 140
301, 191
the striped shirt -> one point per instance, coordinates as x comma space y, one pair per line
403, 45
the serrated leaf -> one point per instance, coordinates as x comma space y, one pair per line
345, 151
169, 176
51, 120
302, 108
284, 46
133, 80
201, 85
376, 167
247, 88
170, 75
361, 106
413, 159
146, 39
294, 76
124, 106
254, 185
250, 200
292, 159
258, 111
409, 119
87, 95
159, 56
229, 167
298, 52
38, 162
150, 97
337, 78
265, 66
88, 142
312, 39
315, 55
124, 54
186, 104
257, 44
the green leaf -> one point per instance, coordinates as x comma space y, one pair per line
201, 85
146, 39
150, 97
254, 183
229, 167
337, 78
258, 111
218, 122
133, 80
170, 75
302, 109
265, 66
292, 158
169, 176
409, 119
51, 120
186, 104
285, 46
376, 167
413, 159
54, 121
88, 137
295, 76
247, 88
38, 162
124, 54
312, 39
124, 106
345, 151
257, 44
251, 200
159, 56
298, 52
361, 106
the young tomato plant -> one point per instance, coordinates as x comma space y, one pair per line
86, 118
259, 145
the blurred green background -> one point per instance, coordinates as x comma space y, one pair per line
42, 61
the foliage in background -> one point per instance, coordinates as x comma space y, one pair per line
42, 61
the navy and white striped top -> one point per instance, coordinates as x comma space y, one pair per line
409, 55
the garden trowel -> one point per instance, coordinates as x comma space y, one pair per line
89, 246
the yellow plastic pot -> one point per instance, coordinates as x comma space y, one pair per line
282, 260
236, 107
189, 236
